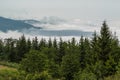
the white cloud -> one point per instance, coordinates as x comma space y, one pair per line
75, 25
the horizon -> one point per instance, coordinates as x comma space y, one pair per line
66, 9
85, 16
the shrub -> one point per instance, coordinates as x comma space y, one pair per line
39, 76
84, 75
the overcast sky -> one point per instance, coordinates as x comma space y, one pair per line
68, 9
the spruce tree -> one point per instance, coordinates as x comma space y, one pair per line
95, 48
105, 42
61, 51
1, 49
21, 48
35, 44
55, 45
42, 44
12, 53
49, 43
69, 66
29, 45
82, 53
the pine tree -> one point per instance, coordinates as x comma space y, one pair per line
105, 42
95, 48
35, 44
70, 66
82, 53
61, 51
12, 53
49, 43
42, 44
55, 45
1, 49
21, 48
88, 57
29, 45
7, 48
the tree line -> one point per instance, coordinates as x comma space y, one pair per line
86, 59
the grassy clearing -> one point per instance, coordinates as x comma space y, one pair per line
8, 71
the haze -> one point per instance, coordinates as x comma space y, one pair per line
68, 9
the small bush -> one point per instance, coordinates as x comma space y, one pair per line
42, 76
84, 75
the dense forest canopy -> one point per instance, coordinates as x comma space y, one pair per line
86, 59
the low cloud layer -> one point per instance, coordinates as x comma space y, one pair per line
56, 28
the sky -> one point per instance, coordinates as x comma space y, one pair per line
85, 15
67, 9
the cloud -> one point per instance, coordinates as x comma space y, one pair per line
56, 28
17, 35
83, 25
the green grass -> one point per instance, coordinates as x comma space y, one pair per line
8, 73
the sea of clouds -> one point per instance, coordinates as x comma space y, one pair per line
55, 28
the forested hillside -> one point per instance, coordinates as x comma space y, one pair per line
87, 59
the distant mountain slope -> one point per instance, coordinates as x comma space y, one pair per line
10, 24
30, 21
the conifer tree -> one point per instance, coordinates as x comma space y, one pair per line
55, 45
21, 48
61, 51
7, 48
1, 49
95, 48
105, 50
28, 44
35, 44
49, 43
105, 42
82, 53
12, 53
42, 44
69, 66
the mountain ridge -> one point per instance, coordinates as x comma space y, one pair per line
11, 24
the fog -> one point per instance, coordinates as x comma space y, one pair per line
66, 29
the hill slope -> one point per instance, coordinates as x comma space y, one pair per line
10, 24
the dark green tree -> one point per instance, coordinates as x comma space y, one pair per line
49, 43
34, 62
55, 45
82, 53
70, 66
42, 44
95, 48
28, 45
35, 44
105, 42
7, 46
12, 52
61, 51
21, 48
1, 49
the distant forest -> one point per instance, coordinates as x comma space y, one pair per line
87, 59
